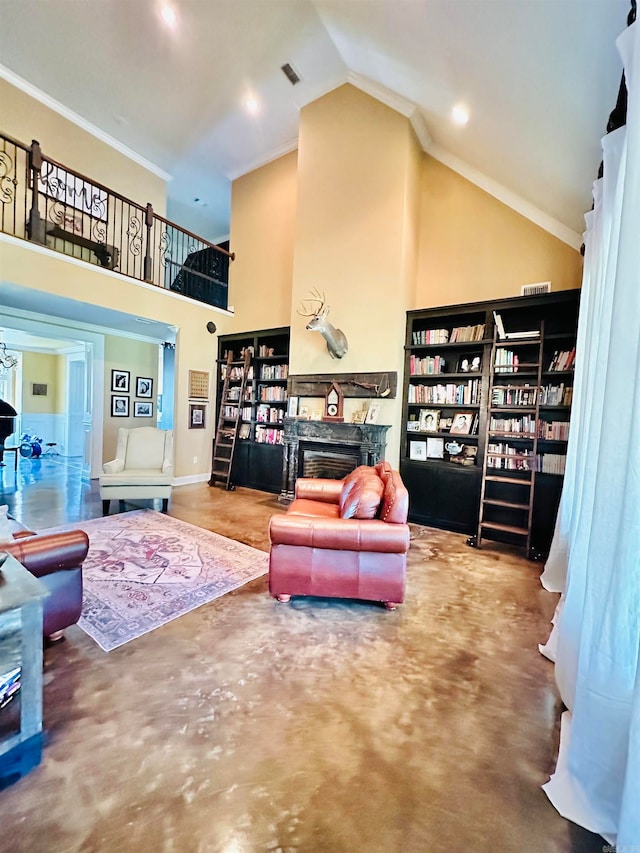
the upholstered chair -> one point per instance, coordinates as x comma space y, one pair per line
143, 467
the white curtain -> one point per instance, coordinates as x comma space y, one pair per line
595, 556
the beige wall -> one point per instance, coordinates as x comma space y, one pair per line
140, 358
355, 236
473, 247
263, 210
25, 119
48, 369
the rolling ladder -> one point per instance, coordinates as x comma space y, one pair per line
506, 499
229, 418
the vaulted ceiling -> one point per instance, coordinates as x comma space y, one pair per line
539, 78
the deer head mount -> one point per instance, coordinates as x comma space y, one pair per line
316, 307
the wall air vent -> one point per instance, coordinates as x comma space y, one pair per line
535, 289
292, 76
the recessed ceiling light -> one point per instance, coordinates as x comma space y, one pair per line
251, 105
168, 15
460, 115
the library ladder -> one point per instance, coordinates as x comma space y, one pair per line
229, 418
508, 484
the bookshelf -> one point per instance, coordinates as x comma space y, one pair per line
258, 455
475, 403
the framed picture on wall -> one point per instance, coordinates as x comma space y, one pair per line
142, 409
120, 381
144, 386
196, 416
119, 407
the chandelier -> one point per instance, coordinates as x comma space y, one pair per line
6, 359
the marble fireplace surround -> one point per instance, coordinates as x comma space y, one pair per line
360, 444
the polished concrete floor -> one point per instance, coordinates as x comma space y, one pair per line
323, 726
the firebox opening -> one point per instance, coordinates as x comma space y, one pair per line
330, 464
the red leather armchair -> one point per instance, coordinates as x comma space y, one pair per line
343, 538
56, 560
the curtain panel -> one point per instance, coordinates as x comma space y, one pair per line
595, 556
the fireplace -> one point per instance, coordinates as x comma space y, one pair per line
327, 449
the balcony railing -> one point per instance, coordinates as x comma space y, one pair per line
48, 203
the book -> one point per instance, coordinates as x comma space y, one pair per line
509, 336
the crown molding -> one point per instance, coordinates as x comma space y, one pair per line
268, 157
65, 112
513, 200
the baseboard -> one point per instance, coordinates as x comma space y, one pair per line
192, 478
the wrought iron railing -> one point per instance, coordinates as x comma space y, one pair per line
48, 203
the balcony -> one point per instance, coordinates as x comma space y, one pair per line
48, 203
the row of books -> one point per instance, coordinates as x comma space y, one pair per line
235, 373
274, 371
270, 393
268, 414
554, 430
551, 463
514, 395
265, 352
506, 361
507, 457
269, 435
556, 395
461, 393
462, 334
525, 425
430, 336
234, 394
563, 359
426, 366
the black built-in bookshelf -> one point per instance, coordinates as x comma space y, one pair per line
257, 461
447, 407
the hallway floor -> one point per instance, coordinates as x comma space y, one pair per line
320, 726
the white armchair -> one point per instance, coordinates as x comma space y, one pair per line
143, 467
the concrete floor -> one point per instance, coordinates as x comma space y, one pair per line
323, 725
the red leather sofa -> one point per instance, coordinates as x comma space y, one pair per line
343, 538
56, 560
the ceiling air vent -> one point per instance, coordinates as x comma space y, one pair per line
290, 74
535, 289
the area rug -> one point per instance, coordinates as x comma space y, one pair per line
145, 569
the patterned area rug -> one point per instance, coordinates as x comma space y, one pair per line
145, 569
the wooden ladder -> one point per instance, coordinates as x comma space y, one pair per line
229, 418
520, 490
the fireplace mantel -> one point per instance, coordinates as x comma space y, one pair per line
369, 440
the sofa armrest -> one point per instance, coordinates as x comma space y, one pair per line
113, 467
52, 552
318, 489
344, 534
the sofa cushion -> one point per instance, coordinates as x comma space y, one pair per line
362, 498
313, 508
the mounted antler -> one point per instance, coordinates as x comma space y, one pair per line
335, 338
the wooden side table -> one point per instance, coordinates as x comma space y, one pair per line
21, 601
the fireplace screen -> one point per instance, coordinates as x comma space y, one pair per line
332, 464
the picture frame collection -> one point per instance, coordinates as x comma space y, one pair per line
121, 399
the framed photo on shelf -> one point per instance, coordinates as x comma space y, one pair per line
461, 424
358, 417
119, 407
142, 409
292, 407
144, 386
418, 450
196, 416
120, 381
372, 414
435, 448
429, 420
